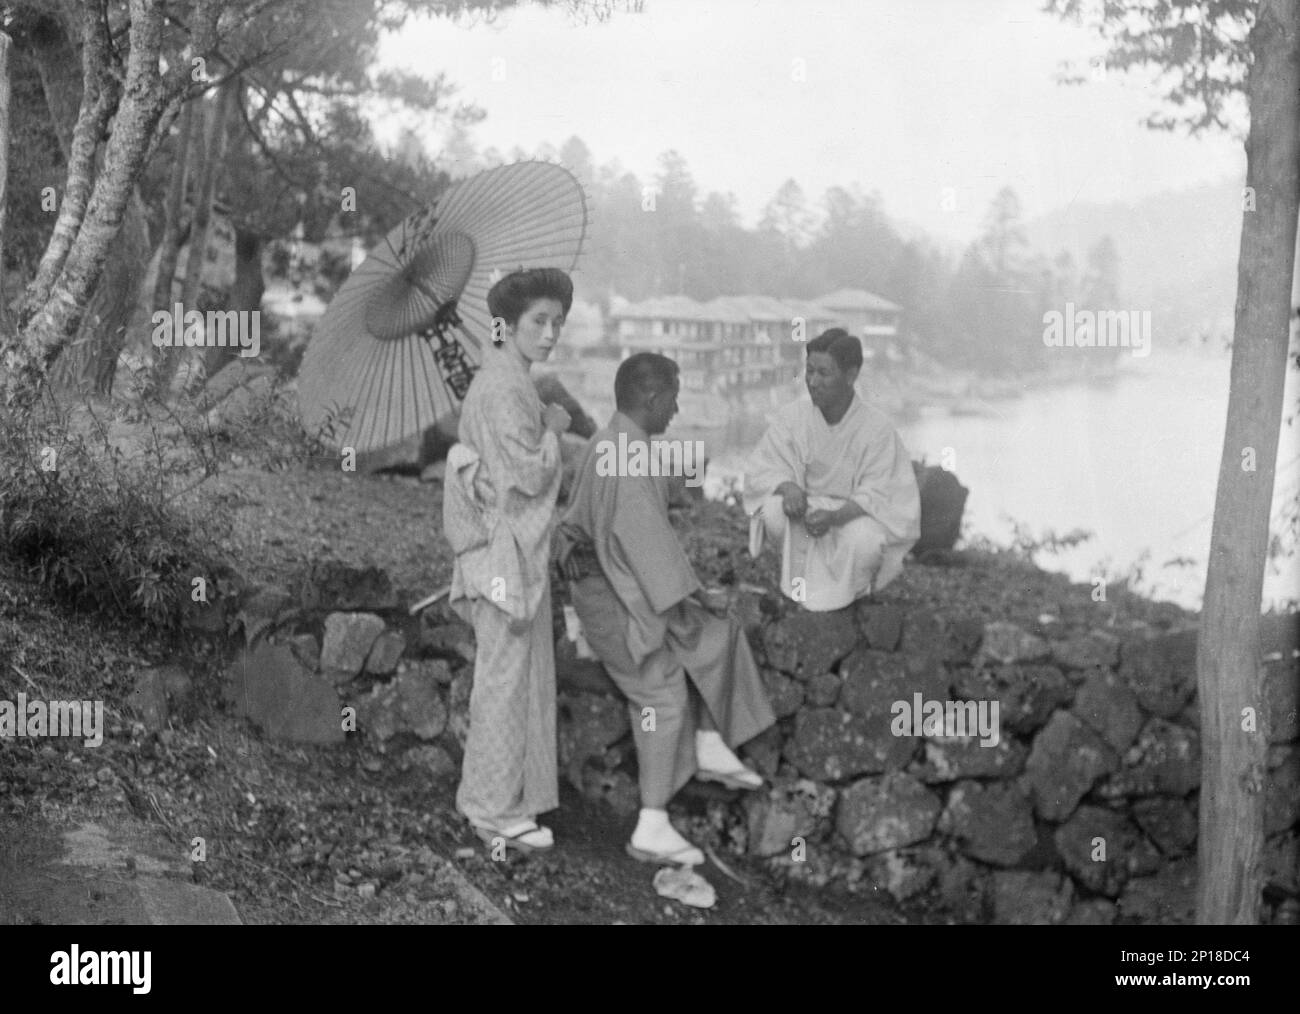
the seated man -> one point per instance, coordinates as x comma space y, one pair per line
633, 589
832, 485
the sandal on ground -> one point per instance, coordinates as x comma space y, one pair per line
527, 838
687, 856
686, 886
741, 778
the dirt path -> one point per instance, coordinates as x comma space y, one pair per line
283, 519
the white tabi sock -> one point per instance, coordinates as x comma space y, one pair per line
650, 823
654, 833
711, 753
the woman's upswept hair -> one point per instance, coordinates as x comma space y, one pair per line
511, 296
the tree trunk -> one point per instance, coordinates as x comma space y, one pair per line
200, 224
249, 286
100, 94
57, 318
5, 47
246, 294
1229, 677
173, 209
202, 221
59, 67
90, 363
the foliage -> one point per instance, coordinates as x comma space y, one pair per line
99, 525
269, 433
1197, 50
652, 238
1027, 545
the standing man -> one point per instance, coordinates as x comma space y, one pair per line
832, 484
693, 690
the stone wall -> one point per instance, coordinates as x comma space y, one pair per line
1082, 811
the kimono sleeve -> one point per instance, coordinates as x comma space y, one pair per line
529, 462
649, 545
775, 460
885, 486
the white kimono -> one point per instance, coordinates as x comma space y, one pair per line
861, 458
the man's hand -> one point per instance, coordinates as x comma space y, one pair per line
819, 522
715, 600
794, 500
556, 419
569, 567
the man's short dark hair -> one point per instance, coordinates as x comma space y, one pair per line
640, 375
841, 346
514, 293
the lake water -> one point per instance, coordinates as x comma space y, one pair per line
1133, 460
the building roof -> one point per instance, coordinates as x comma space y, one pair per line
816, 312
673, 307
768, 308
828, 309
856, 299
671, 344
726, 310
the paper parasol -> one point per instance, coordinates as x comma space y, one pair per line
399, 343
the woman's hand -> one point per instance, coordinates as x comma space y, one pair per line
556, 419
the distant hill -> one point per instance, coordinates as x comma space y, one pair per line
1178, 254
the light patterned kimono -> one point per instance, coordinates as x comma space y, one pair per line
861, 458
499, 508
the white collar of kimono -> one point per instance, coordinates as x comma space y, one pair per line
504, 359
855, 403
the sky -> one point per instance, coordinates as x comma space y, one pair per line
933, 104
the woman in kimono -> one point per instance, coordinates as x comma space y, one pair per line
498, 511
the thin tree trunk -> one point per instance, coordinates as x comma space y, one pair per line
245, 294
202, 221
249, 285
173, 209
1228, 666
200, 224
56, 319
5, 47
59, 66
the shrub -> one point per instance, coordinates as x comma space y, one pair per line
99, 527
269, 432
